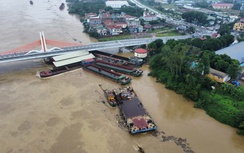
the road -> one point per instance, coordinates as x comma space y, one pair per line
199, 30
90, 47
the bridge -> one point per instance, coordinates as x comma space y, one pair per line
16, 55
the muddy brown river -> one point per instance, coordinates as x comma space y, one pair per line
66, 113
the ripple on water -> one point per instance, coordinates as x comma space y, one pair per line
69, 140
53, 121
24, 126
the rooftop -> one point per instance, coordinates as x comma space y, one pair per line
235, 51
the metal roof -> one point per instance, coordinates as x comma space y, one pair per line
70, 55
73, 60
235, 51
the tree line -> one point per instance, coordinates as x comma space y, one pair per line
182, 66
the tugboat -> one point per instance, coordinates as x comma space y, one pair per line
61, 7
110, 96
136, 117
31, 2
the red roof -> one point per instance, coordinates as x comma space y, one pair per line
141, 50
222, 4
140, 123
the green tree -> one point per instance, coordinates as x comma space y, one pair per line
233, 70
197, 42
224, 29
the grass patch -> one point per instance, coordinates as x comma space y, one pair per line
168, 34
118, 37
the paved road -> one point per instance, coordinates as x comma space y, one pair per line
90, 47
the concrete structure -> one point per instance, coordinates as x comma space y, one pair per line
116, 4
140, 53
218, 76
235, 51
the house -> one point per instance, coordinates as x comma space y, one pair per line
222, 5
114, 29
147, 16
140, 53
105, 16
218, 76
116, 4
94, 21
89, 15
239, 26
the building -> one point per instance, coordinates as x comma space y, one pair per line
235, 51
147, 16
218, 76
238, 26
140, 53
222, 6
94, 21
116, 4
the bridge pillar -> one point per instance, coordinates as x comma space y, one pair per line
48, 60
120, 49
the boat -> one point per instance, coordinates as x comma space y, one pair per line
116, 59
109, 74
61, 7
135, 115
59, 70
110, 96
31, 2
119, 68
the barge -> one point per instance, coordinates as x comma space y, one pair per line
119, 68
59, 70
136, 116
109, 74
116, 59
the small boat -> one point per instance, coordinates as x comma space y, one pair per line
31, 2
136, 117
61, 7
110, 96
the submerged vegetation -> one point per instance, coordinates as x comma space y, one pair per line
182, 66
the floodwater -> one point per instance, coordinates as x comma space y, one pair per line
66, 113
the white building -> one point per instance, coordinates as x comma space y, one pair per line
116, 4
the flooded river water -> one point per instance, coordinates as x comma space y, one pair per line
65, 114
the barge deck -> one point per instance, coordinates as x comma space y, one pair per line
109, 74
120, 68
136, 117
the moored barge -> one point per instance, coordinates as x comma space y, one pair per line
109, 74
120, 68
116, 59
136, 117
59, 70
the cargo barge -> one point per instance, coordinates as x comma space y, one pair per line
59, 70
116, 59
119, 68
109, 74
135, 115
